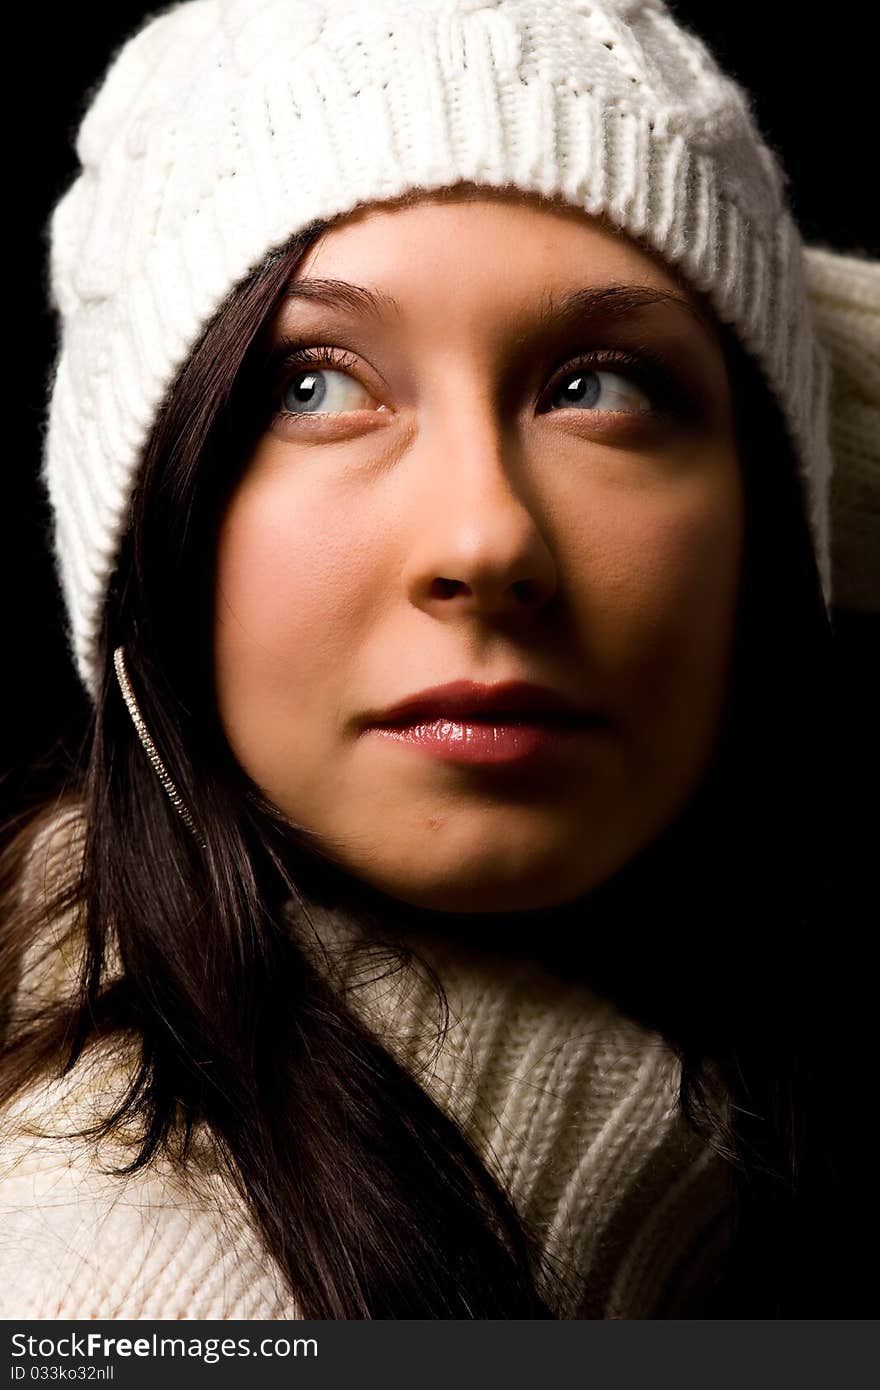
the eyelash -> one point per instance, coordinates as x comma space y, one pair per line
646, 367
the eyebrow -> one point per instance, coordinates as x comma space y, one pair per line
340, 294
605, 303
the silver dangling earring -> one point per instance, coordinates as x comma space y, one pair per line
149, 746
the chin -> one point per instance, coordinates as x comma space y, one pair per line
488, 893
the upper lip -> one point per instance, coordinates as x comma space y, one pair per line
459, 699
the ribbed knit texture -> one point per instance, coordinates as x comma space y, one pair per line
224, 126
845, 294
572, 1105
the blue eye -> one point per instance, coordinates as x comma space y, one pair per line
321, 392
602, 390
613, 380
310, 387
306, 390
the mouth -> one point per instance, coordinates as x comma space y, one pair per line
513, 722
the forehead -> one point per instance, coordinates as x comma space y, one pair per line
483, 249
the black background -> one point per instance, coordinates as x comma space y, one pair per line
813, 76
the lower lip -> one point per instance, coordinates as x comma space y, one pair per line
486, 744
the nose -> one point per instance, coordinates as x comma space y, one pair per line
478, 542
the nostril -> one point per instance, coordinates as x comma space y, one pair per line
444, 588
524, 589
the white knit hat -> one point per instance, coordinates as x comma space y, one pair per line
225, 126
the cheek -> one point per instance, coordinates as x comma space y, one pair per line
661, 596
286, 579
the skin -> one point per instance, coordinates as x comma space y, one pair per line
436, 517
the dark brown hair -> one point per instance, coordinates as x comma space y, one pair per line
369, 1198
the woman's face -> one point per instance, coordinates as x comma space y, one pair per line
465, 491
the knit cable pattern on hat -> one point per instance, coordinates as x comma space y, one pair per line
223, 127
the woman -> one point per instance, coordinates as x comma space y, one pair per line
437, 344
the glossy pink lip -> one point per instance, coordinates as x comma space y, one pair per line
462, 699
514, 722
